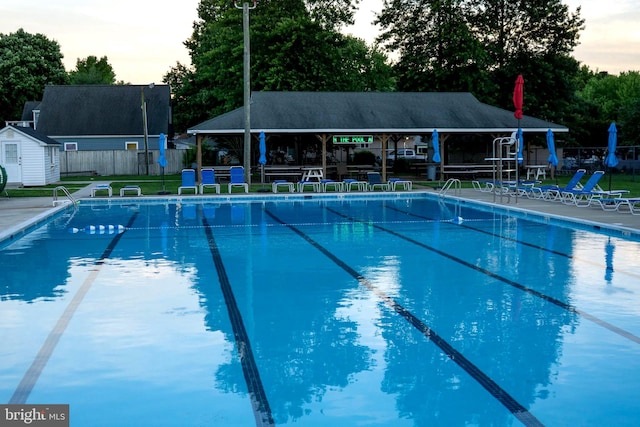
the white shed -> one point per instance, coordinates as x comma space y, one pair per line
30, 158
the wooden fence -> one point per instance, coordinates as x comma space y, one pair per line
118, 162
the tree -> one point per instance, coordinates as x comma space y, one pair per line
436, 48
295, 45
482, 45
28, 62
615, 99
91, 71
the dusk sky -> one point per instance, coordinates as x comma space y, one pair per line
144, 39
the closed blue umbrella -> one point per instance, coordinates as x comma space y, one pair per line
551, 145
520, 144
263, 155
162, 141
611, 160
263, 149
162, 159
436, 146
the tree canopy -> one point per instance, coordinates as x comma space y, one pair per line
28, 62
481, 46
295, 45
91, 71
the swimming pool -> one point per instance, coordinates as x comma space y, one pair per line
312, 311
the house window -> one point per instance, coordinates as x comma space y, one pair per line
70, 146
131, 145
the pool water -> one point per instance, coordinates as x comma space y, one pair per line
372, 311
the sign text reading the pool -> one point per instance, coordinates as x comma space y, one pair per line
353, 139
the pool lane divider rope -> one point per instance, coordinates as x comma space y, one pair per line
259, 401
568, 307
517, 409
30, 377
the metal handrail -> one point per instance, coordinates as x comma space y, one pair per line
66, 193
451, 183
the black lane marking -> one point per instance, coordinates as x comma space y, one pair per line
519, 411
615, 329
512, 239
259, 401
30, 377
489, 233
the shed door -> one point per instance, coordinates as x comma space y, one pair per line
12, 161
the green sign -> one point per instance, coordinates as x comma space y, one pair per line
353, 139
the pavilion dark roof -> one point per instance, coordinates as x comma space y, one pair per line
371, 112
83, 110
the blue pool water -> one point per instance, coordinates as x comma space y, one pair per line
401, 311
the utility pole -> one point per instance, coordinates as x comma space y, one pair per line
247, 87
145, 127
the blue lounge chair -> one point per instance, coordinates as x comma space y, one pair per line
188, 181
375, 181
553, 192
236, 176
582, 197
209, 181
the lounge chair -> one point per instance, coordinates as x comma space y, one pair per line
209, 181
275, 185
375, 181
131, 189
188, 181
329, 184
395, 183
236, 176
618, 203
582, 197
349, 184
101, 187
554, 192
315, 186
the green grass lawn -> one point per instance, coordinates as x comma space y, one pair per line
151, 185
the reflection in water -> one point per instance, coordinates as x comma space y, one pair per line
328, 350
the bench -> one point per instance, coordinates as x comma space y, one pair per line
471, 170
293, 172
131, 189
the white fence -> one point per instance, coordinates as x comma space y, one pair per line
118, 162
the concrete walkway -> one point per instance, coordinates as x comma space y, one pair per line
18, 213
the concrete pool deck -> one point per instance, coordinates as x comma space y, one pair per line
18, 213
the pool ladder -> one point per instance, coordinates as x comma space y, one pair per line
66, 193
452, 183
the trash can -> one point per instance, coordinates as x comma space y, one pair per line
431, 172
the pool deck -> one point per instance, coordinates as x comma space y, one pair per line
18, 213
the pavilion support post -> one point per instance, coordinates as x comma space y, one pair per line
383, 141
199, 157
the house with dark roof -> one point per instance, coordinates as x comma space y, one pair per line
102, 117
29, 157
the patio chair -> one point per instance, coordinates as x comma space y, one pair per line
349, 184
554, 192
101, 187
315, 186
395, 183
375, 181
188, 181
236, 176
582, 197
282, 183
209, 181
329, 184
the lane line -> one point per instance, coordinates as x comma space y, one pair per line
611, 327
518, 410
259, 401
30, 377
